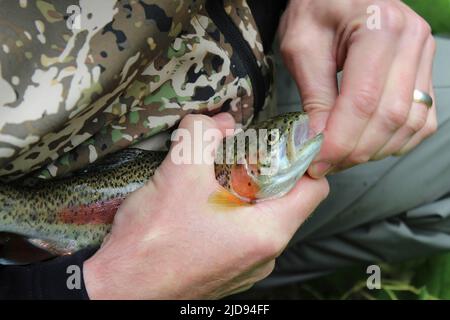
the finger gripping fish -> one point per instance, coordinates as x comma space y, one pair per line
68, 214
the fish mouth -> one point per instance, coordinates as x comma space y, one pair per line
301, 147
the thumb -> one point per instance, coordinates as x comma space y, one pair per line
225, 123
289, 212
194, 144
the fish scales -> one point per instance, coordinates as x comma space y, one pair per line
68, 214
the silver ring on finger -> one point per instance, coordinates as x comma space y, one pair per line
423, 98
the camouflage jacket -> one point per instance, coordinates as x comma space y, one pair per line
82, 79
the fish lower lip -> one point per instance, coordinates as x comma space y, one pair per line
283, 182
305, 147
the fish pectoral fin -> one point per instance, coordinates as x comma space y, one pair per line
54, 247
224, 199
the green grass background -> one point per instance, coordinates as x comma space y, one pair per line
436, 12
423, 279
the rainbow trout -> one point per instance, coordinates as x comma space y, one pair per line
68, 214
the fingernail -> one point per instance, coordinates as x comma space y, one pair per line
320, 169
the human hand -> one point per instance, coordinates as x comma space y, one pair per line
169, 242
373, 116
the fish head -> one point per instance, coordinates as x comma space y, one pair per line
271, 166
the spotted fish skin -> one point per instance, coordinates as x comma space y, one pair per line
78, 211
67, 214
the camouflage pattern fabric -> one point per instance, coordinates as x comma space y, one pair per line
80, 80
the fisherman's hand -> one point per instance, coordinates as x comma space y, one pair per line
169, 242
374, 115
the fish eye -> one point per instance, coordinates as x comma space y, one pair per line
272, 137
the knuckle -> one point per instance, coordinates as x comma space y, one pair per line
205, 119
394, 18
420, 27
189, 118
290, 48
416, 121
359, 157
365, 103
431, 127
340, 149
396, 116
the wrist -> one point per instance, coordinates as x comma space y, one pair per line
109, 275
92, 279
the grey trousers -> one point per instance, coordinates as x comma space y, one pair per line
390, 210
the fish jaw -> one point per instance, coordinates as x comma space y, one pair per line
281, 183
279, 167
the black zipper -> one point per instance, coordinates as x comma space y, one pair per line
233, 35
